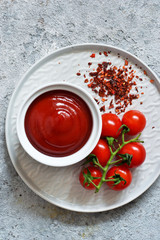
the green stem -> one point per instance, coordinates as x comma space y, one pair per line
110, 149
123, 137
93, 184
109, 180
134, 139
99, 165
113, 154
119, 160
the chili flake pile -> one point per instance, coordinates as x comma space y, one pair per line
108, 80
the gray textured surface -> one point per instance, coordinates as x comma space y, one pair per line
30, 30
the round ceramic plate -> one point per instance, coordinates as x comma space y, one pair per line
60, 186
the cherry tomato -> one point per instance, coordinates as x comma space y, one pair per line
102, 152
137, 150
122, 175
93, 172
135, 121
110, 125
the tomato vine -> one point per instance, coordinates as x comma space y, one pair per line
116, 179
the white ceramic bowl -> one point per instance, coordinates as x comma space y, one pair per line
75, 157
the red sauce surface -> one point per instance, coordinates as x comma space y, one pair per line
58, 123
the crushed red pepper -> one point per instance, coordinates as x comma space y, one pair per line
126, 63
93, 55
145, 73
105, 53
86, 80
108, 80
96, 100
136, 89
102, 109
111, 105
103, 99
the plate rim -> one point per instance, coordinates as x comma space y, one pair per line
31, 69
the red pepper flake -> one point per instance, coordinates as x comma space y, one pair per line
108, 80
151, 81
86, 80
109, 52
96, 100
111, 104
93, 55
100, 53
89, 64
145, 73
126, 63
90, 84
92, 74
78, 74
95, 90
102, 109
141, 103
136, 89
84, 76
101, 93
103, 99
105, 54
153, 127
142, 93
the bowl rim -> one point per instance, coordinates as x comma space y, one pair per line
80, 154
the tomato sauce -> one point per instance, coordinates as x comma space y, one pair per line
58, 123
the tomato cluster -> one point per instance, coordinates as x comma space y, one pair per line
130, 154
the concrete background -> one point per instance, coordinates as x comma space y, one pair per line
28, 31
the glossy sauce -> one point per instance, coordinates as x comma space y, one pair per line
58, 123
